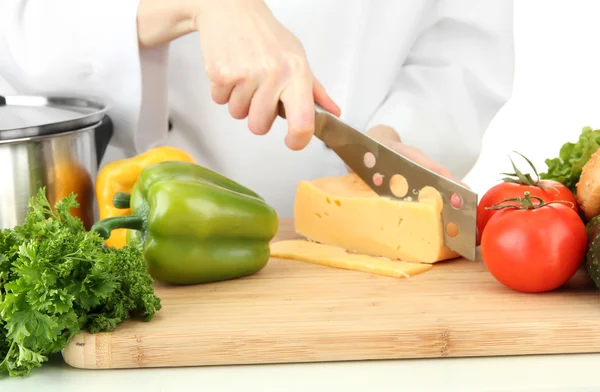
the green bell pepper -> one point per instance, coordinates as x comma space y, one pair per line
194, 225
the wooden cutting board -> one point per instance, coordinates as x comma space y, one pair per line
293, 311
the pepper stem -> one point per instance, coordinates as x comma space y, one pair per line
105, 226
122, 200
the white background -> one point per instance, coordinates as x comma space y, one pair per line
556, 89
556, 93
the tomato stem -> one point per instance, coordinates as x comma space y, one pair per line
524, 179
525, 203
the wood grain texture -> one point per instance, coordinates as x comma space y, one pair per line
293, 311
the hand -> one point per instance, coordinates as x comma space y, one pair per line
391, 139
253, 62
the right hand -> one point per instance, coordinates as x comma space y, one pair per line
253, 62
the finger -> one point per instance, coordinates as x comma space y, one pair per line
221, 93
263, 108
419, 157
297, 99
413, 154
223, 79
442, 171
323, 99
406, 151
463, 184
241, 96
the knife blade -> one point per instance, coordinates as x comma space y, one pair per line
370, 159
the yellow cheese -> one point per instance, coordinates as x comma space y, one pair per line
335, 257
344, 212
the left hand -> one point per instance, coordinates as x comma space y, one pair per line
391, 139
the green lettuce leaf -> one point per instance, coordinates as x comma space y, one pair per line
566, 168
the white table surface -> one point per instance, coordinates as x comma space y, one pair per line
549, 373
555, 94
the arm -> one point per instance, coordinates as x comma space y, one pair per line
456, 78
93, 48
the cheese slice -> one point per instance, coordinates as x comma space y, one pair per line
344, 212
336, 257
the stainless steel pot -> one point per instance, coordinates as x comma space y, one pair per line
56, 143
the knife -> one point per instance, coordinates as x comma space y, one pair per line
370, 159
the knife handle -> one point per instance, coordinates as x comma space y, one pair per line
281, 110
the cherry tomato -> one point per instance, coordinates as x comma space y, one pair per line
534, 247
514, 186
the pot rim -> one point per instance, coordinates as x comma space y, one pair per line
77, 111
50, 135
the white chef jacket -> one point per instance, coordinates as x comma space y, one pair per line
435, 71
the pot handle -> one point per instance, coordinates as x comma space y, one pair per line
102, 135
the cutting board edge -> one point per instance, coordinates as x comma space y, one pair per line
500, 352
93, 351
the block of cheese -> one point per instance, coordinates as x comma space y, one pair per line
344, 212
332, 256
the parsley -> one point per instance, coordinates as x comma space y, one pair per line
57, 279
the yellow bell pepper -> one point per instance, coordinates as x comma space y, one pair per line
121, 176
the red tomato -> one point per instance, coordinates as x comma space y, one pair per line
548, 190
534, 248
515, 185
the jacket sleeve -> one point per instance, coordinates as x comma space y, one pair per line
456, 78
88, 48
